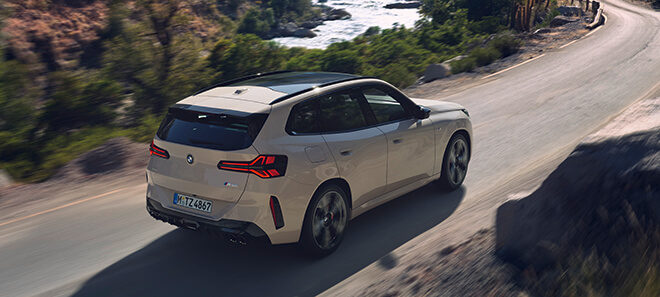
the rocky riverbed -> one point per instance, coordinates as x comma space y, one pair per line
363, 14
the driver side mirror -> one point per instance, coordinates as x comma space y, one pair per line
422, 112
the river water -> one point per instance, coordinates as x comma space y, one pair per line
365, 14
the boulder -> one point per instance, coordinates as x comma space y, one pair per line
605, 180
311, 24
561, 20
5, 179
569, 10
304, 33
287, 29
337, 14
404, 5
435, 71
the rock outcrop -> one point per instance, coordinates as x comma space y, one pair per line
561, 20
404, 5
569, 10
334, 14
435, 71
605, 190
304, 29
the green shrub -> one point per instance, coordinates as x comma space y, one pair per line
485, 55
371, 31
506, 44
244, 55
346, 61
79, 100
464, 65
488, 25
258, 22
145, 130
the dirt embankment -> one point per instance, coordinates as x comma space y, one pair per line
117, 163
593, 227
52, 32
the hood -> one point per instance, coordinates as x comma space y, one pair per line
438, 106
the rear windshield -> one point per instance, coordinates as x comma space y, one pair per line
209, 130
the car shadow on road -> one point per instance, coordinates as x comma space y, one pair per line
186, 263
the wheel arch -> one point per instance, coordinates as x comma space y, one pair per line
465, 134
342, 183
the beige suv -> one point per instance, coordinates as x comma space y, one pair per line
289, 157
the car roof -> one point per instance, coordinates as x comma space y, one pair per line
256, 92
293, 82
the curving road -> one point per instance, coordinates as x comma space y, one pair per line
525, 121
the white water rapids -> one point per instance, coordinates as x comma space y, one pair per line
365, 14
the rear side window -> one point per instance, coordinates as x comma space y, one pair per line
209, 130
341, 112
304, 118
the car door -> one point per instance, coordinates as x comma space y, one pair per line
410, 141
359, 149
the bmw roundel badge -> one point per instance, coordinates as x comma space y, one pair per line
190, 159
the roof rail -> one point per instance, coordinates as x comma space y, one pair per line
235, 80
280, 99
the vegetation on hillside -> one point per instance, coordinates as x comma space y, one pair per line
150, 53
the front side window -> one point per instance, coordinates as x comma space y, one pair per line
385, 107
341, 112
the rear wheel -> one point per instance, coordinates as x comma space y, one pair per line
325, 221
455, 162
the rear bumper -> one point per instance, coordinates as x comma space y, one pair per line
236, 231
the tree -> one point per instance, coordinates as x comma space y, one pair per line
258, 22
246, 54
158, 66
161, 14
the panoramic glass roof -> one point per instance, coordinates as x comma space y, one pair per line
291, 82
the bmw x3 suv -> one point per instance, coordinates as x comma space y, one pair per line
288, 157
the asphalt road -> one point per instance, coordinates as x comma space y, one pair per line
525, 120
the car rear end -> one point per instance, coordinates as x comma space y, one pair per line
201, 160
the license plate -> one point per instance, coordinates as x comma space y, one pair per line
192, 202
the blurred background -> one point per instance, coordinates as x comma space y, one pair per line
76, 73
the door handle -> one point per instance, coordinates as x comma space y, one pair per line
346, 153
397, 141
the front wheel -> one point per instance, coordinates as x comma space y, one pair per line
325, 221
455, 162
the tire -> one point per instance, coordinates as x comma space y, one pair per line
325, 221
455, 163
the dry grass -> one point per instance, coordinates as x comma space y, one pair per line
629, 265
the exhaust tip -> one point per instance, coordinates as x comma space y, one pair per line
236, 240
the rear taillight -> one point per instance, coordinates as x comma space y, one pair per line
156, 151
264, 166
